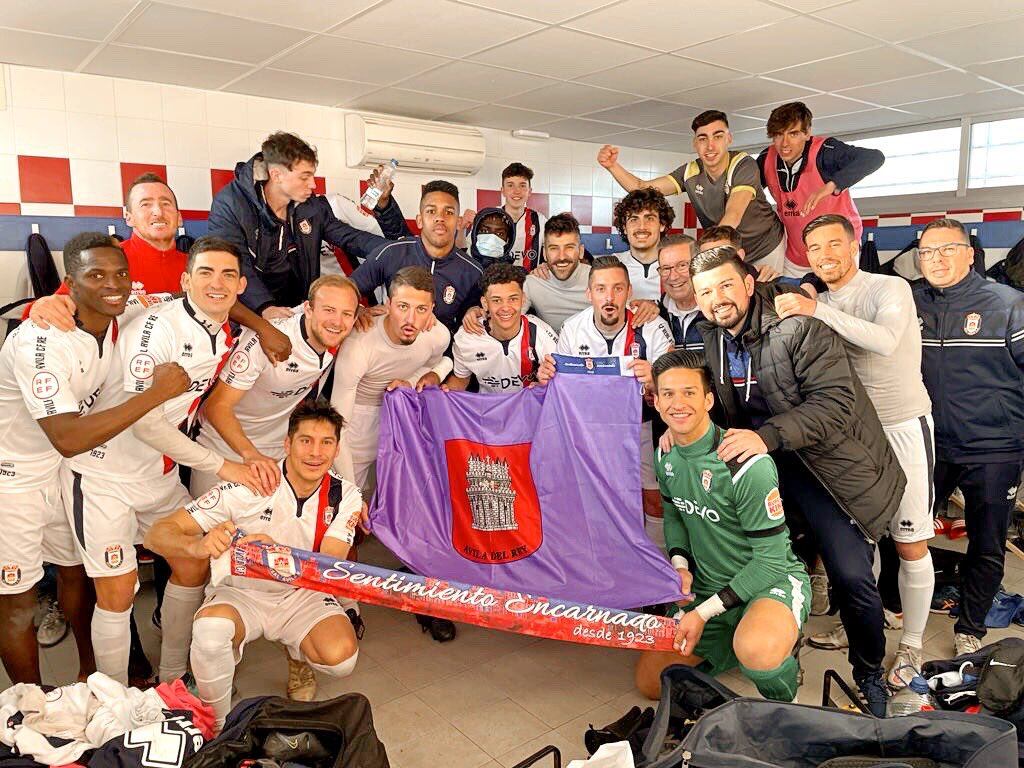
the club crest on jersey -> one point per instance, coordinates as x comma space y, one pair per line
496, 515
11, 574
305, 227
113, 556
634, 349
45, 385
705, 479
281, 564
668, 470
972, 324
589, 363
328, 515
449, 294
773, 505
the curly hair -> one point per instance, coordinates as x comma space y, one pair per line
643, 199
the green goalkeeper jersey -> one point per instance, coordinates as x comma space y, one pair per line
726, 519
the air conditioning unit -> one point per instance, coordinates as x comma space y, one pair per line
417, 145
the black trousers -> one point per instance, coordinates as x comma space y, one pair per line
989, 496
848, 557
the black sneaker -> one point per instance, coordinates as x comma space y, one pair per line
945, 599
875, 694
357, 622
441, 630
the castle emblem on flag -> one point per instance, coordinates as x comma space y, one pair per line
491, 496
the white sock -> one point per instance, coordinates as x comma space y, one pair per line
654, 527
213, 663
917, 582
177, 612
341, 669
111, 642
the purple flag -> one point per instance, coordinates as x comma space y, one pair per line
536, 491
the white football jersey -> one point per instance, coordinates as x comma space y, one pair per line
581, 337
272, 392
644, 278
523, 236
504, 366
44, 373
332, 511
175, 332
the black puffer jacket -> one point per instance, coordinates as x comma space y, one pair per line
820, 410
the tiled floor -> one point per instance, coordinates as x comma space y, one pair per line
491, 698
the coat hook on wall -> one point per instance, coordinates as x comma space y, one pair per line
111, 229
974, 231
35, 228
871, 237
181, 230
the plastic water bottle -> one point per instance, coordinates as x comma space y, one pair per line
373, 192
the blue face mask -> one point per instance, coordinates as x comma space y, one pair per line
490, 246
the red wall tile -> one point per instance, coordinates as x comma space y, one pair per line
689, 216
10, 209
220, 179
44, 179
487, 198
100, 211
131, 171
321, 185
540, 203
601, 230
583, 209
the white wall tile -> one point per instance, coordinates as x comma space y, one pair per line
88, 93
346, 184
7, 131
264, 115
560, 151
604, 183
10, 191
92, 137
95, 182
184, 105
582, 180
584, 153
37, 88
489, 176
187, 145
191, 185
133, 98
560, 179
305, 119
559, 204
541, 177
140, 141
677, 202
335, 119
226, 110
625, 157
331, 154
524, 151
228, 146
47, 209
602, 211
492, 141
40, 132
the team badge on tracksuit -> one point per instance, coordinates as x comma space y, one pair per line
972, 324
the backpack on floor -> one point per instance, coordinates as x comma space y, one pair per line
337, 733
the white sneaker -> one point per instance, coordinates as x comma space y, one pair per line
964, 643
904, 667
892, 620
819, 594
301, 681
833, 640
53, 627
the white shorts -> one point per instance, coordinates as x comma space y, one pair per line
281, 618
109, 517
913, 442
648, 478
35, 531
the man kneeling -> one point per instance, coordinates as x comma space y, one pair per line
726, 534
311, 509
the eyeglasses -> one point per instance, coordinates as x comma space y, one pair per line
946, 251
680, 268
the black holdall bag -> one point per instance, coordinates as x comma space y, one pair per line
337, 733
756, 733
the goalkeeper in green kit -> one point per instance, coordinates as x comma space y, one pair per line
726, 534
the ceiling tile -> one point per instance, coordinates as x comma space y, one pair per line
936, 85
313, 15
541, 10
477, 81
871, 119
660, 74
569, 98
405, 103
822, 105
276, 84
642, 114
853, 69
650, 22
915, 18
789, 43
967, 46
161, 67
350, 60
568, 53
37, 50
579, 129
737, 94
1007, 71
185, 30
973, 103
751, 138
646, 139
91, 19
505, 118
440, 27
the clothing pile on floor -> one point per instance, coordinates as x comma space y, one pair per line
101, 724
